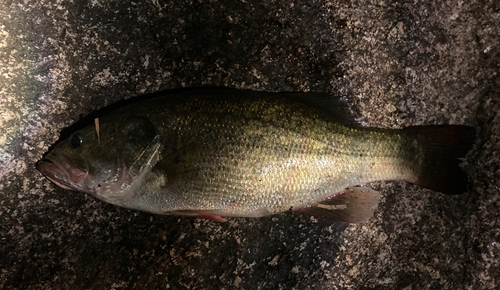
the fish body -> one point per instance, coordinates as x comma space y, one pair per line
219, 153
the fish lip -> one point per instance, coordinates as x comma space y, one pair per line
57, 169
50, 170
59, 174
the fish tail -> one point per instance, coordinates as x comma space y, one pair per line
441, 149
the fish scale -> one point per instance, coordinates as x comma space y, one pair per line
277, 186
222, 152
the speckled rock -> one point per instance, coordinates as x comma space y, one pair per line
396, 64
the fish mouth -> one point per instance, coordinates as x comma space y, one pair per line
61, 173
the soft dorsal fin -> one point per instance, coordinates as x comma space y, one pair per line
354, 205
330, 105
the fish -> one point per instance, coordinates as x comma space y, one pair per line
219, 153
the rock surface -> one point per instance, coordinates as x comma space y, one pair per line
396, 64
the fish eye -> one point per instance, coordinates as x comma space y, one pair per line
75, 141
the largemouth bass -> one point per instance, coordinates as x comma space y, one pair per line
217, 153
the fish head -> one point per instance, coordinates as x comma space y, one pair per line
98, 159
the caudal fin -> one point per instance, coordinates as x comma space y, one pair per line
443, 146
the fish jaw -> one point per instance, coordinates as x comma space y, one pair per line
63, 175
114, 184
112, 188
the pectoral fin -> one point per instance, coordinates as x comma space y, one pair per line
354, 205
148, 157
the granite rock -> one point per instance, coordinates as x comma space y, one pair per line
395, 64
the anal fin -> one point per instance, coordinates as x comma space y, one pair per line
202, 214
354, 205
